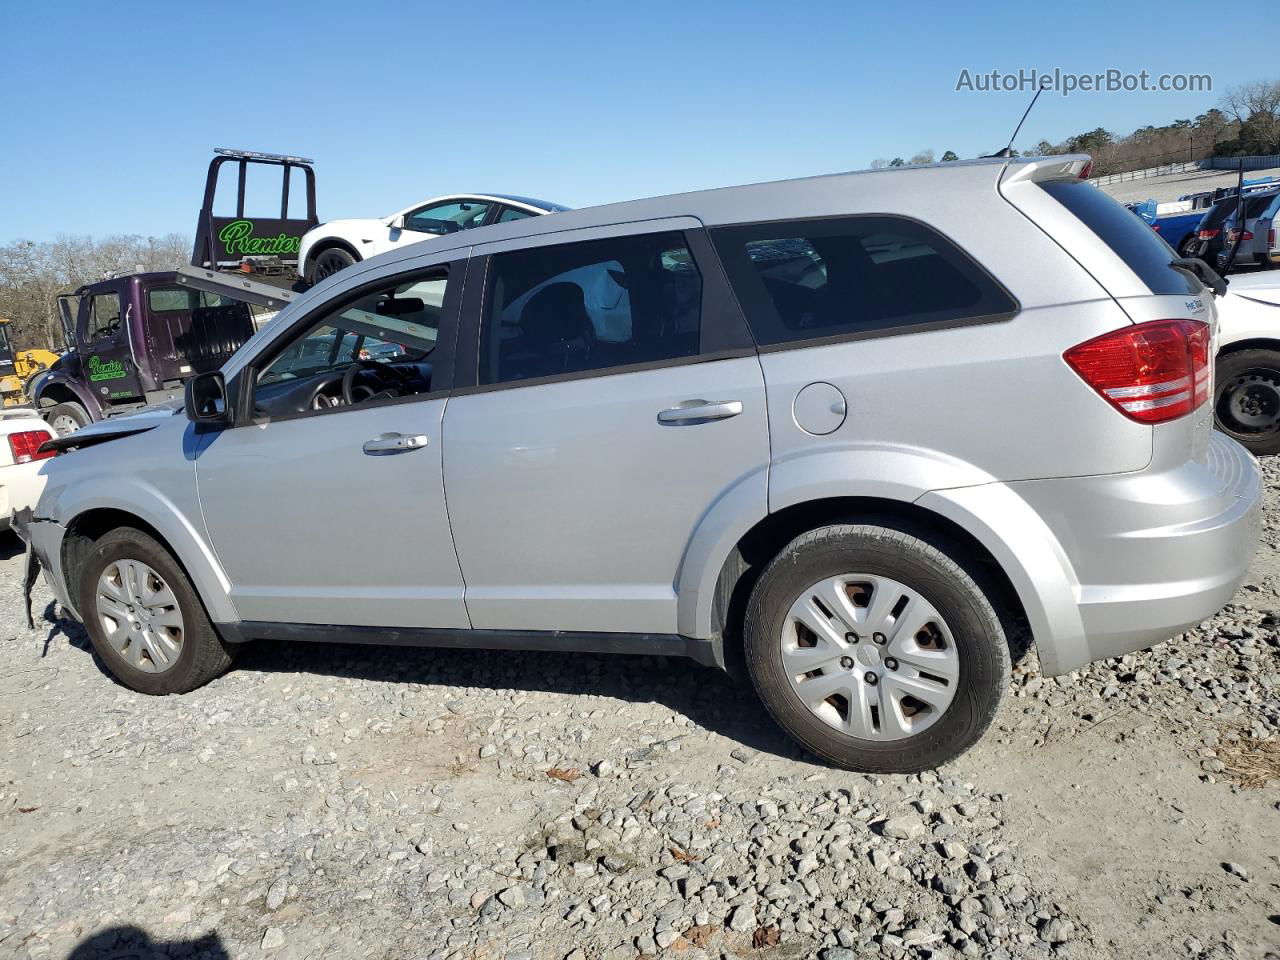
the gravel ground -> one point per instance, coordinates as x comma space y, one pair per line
332, 802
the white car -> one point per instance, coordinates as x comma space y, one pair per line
1247, 401
20, 480
335, 245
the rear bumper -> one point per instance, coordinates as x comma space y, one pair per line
20, 486
1153, 553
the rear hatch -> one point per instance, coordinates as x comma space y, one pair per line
1136, 267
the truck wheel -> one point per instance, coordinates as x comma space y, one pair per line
328, 262
874, 649
66, 418
1189, 246
144, 617
1247, 405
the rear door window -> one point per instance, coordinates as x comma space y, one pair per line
1126, 235
594, 305
848, 276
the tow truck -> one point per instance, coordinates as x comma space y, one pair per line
134, 339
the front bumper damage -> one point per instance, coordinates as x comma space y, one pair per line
43, 539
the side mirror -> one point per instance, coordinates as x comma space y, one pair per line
206, 399
396, 223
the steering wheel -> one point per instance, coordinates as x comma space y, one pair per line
387, 376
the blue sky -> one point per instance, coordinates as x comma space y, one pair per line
109, 111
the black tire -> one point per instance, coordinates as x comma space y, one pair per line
327, 262
1247, 401
982, 649
1189, 246
203, 654
64, 412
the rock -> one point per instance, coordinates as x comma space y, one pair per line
903, 828
1056, 930
1236, 871
273, 938
277, 893
512, 897
742, 919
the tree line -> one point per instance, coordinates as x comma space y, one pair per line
1245, 122
32, 274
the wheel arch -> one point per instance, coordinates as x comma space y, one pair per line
171, 532
764, 540
1249, 343
53, 392
329, 243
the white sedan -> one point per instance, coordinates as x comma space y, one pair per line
21, 434
335, 245
1247, 395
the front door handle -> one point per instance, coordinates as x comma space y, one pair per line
700, 411
395, 443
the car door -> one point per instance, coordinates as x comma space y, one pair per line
105, 350
324, 511
613, 396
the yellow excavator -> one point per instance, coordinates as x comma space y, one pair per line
17, 369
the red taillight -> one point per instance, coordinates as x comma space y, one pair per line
1209, 234
1271, 238
1152, 372
1086, 171
26, 445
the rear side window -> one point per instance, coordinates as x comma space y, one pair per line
183, 299
1127, 236
811, 279
576, 307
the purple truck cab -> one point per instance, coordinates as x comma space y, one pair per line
132, 341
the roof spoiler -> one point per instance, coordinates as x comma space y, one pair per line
1035, 169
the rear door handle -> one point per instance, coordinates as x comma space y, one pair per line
700, 411
395, 443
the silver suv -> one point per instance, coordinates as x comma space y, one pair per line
854, 435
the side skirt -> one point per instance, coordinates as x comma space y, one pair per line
653, 644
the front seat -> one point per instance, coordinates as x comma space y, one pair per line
554, 334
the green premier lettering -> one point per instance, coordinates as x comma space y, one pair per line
237, 238
100, 369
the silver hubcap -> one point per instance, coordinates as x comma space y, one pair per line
64, 425
870, 657
140, 616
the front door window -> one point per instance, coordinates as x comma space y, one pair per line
378, 347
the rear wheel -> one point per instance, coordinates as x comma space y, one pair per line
874, 649
144, 617
1189, 246
328, 262
66, 418
1247, 406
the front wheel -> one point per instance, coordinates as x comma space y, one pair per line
1247, 405
66, 418
874, 649
144, 618
328, 262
